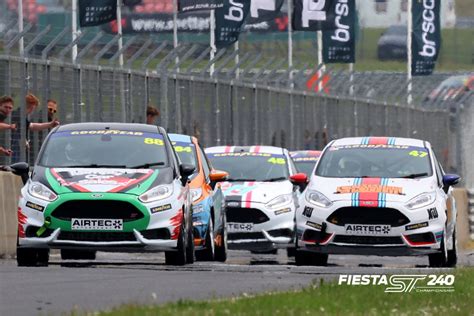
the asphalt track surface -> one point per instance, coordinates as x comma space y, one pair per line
118, 278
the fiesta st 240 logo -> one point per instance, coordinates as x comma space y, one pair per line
402, 283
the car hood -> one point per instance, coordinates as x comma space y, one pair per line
103, 180
394, 190
257, 192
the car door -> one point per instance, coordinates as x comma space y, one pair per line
447, 194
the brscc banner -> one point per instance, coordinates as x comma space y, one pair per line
313, 15
426, 36
189, 5
339, 43
97, 12
264, 10
230, 20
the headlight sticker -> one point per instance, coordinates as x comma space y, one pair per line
160, 208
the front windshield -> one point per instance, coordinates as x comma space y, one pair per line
378, 161
247, 166
104, 149
186, 152
454, 82
305, 166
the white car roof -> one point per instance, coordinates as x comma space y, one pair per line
251, 149
380, 141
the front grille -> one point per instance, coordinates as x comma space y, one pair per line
421, 238
368, 216
237, 236
369, 240
97, 237
160, 233
103, 209
245, 215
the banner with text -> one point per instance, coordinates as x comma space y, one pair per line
192, 5
230, 20
313, 15
96, 12
339, 43
426, 36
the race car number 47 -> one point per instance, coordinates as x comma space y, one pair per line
239, 227
96, 224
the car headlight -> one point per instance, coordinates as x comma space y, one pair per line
318, 199
157, 193
40, 191
280, 201
421, 200
196, 194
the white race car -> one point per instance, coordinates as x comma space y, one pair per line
377, 196
260, 197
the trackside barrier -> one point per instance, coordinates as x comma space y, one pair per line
471, 212
10, 186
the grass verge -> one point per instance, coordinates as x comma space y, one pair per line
326, 299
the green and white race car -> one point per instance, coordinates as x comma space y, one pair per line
108, 187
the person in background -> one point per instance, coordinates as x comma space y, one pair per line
52, 109
152, 114
32, 103
6, 108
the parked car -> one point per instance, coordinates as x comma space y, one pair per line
209, 221
392, 45
105, 186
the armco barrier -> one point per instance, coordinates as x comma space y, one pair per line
10, 186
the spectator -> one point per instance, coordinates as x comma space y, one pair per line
32, 103
6, 108
152, 114
52, 110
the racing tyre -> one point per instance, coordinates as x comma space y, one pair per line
291, 252
306, 258
221, 249
71, 254
178, 258
31, 257
208, 253
437, 260
453, 253
190, 255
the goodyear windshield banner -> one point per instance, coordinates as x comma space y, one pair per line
426, 36
313, 15
339, 43
264, 10
96, 12
230, 20
190, 5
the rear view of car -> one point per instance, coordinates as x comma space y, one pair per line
210, 235
305, 160
378, 196
392, 45
260, 199
105, 186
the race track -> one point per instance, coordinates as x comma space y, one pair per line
117, 278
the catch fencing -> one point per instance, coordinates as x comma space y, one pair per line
237, 98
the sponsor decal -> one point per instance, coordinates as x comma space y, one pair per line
106, 132
282, 211
239, 227
97, 196
243, 154
189, 5
308, 211
402, 283
432, 213
359, 229
339, 44
314, 225
160, 208
96, 224
35, 206
303, 159
416, 226
233, 204
366, 188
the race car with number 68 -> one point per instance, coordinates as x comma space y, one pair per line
378, 196
260, 196
105, 186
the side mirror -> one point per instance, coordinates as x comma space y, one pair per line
300, 179
451, 179
21, 169
217, 176
186, 171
